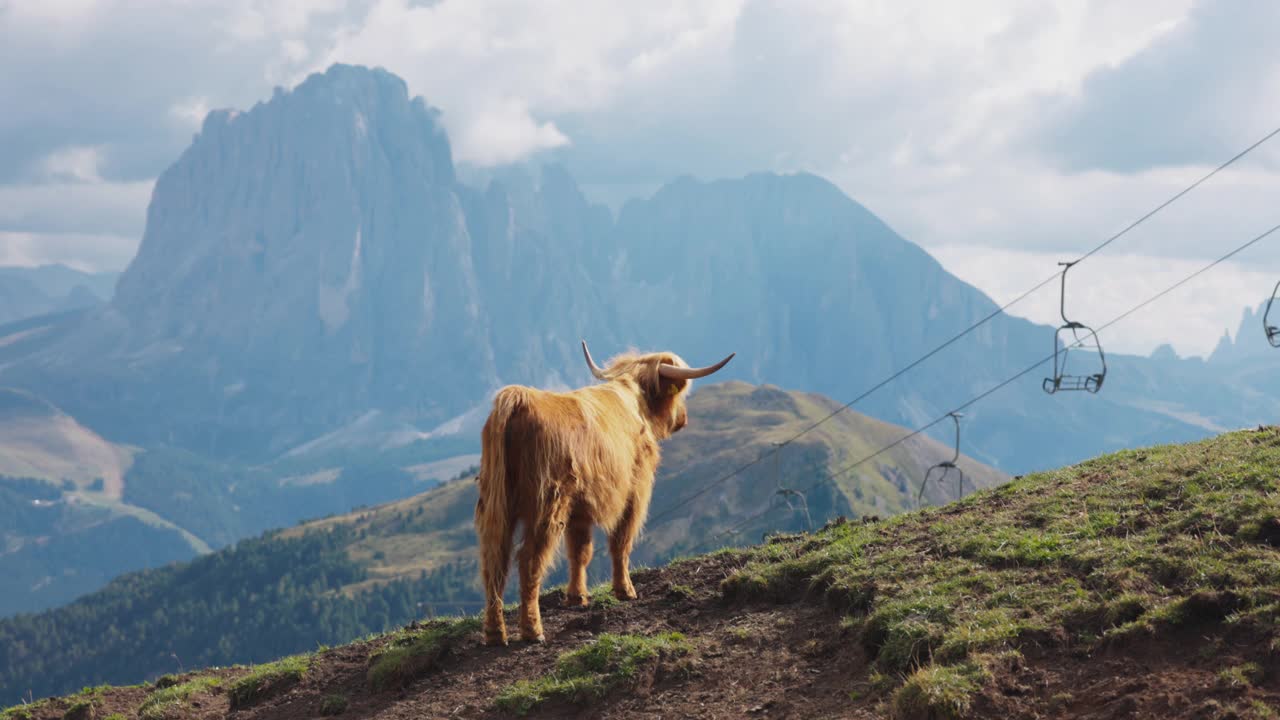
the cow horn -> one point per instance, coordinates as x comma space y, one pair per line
672, 372
595, 369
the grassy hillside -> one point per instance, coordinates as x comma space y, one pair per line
39, 441
1140, 584
333, 579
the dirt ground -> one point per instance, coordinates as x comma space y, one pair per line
758, 661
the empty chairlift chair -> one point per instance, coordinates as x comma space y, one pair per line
1074, 339
785, 495
1273, 332
939, 473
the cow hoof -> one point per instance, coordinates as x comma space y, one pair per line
576, 601
495, 639
625, 593
535, 639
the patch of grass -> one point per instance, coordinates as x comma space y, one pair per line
174, 697
333, 705
602, 596
81, 710
265, 680
591, 671
95, 691
1263, 711
115, 716
1058, 702
938, 691
682, 591
1241, 676
1119, 547
412, 653
166, 681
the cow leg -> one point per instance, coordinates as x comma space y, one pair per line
620, 542
535, 555
577, 542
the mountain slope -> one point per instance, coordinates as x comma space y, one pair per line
39, 441
333, 579
1141, 584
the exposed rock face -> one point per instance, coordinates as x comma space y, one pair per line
315, 251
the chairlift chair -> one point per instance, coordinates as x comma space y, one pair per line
1273, 332
787, 493
1073, 335
939, 473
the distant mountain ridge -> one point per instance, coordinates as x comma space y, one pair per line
31, 291
315, 259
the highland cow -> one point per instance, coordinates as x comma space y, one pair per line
561, 463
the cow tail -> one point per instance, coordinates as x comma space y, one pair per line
495, 519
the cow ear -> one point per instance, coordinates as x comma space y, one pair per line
670, 388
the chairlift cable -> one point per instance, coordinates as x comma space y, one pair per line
677, 505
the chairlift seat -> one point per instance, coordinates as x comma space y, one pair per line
1088, 383
939, 474
944, 468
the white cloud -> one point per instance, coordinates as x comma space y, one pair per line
1188, 97
87, 252
60, 22
502, 134
190, 111
76, 207
77, 164
1028, 205
499, 70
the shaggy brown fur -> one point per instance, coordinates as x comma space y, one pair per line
559, 464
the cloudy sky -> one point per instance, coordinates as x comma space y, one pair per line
1001, 135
